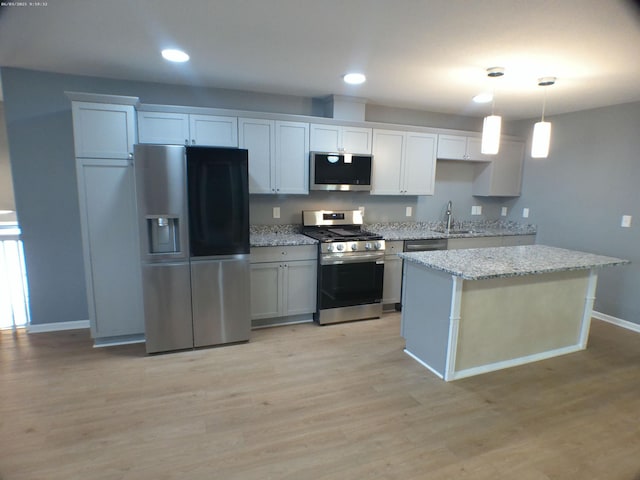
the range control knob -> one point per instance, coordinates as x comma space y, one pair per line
354, 246
367, 246
329, 248
378, 245
340, 247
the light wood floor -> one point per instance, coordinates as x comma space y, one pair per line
308, 402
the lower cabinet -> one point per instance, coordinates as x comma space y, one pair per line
392, 287
484, 242
283, 281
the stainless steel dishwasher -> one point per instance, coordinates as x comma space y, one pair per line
423, 245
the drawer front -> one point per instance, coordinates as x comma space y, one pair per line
283, 254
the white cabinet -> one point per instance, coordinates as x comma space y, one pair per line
336, 138
187, 129
283, 281
403, 163
502, 177
102, 130
461, 147
278, 155
515, 240
392, 285
106, 189
108, 219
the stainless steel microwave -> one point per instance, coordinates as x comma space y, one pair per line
340, 171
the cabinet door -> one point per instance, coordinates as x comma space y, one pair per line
111, 249
474, 151
257, 136
392, 285
301, 287
266, 290
292, 157
419, 166
213, 130
324, 138
452, 147
516, 240
476, 242
163, 127
356, 139
502, 177
102, 130
388, 151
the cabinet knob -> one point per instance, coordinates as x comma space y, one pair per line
186, 141
130, 156
193, 141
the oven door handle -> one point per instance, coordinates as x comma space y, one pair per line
341, 260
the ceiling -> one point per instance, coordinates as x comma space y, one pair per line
422, 54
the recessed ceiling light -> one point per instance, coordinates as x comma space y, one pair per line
484, 97
354, 78
174, 55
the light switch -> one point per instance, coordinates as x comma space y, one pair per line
626, 221
503, 212
525, 213
408, 211
276, 212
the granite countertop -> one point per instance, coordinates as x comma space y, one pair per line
429, 230
277, 236
485, 263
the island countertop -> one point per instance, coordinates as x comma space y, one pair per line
485, 263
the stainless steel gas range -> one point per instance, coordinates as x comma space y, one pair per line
350, 266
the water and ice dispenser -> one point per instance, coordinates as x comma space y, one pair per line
163, 234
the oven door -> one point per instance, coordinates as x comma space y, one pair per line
348, 281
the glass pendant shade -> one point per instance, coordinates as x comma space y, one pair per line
491, 135
541, 140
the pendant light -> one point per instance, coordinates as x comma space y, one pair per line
542, 129
492, 124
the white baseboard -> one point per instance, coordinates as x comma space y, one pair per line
57, 326
426, 365
617, 321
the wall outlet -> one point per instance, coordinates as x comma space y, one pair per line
476, 210
503, 212
276, 212
361, 210
408, 211
525, 213
626, 221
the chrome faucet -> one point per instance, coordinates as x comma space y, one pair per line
449, 217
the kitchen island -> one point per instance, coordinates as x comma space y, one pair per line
467, 312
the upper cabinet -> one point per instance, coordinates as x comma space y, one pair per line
187, 129
461, 147
278, 155
336, 138
502, 177
403, 163
102, 130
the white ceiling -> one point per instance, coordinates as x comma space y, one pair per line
422, 54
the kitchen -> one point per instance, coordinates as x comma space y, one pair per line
569, 199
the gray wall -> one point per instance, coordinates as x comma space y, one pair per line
578, 195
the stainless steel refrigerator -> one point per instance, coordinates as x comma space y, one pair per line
193, 208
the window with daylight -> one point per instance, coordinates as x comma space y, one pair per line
14, 294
